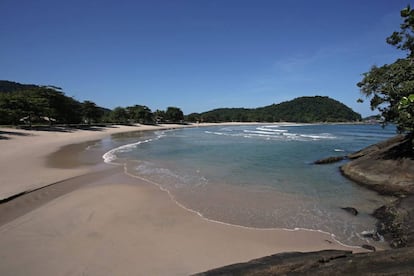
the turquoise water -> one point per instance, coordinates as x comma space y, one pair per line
259, 176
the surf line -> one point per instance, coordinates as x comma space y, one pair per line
172, 197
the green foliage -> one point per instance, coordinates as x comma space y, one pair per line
193, 117
11, 86
91, 112
28, 103
304, 109
406, 109
159, 116
21, 103
387, 86
174, 115
312, 109
140, 114
404, 39
118, 115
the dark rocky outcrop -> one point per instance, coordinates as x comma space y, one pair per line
329, 160
327, 262
396, 222
376, 147
369, 247
386, 167
351, 210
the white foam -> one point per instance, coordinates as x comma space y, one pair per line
216, 133
318, 136
201, 215
259, 132
271, 129
110, 156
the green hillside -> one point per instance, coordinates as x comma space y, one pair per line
29, 103
303, 109
11, 86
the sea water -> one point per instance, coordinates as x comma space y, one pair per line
259, 176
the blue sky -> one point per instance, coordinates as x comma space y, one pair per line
197, 54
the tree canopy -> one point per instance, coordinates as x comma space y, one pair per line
391, 86
174, 115
303, 109
29, 103
21, 104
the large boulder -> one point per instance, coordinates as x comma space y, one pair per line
386, 167
327, 262
396, 222
329, 160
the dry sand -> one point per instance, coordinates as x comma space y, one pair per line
23, 155
107, 223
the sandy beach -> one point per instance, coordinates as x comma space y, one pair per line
96, 220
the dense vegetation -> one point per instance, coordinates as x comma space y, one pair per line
391, 86
28, 104
303, 109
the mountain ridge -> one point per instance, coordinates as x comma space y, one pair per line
307, 109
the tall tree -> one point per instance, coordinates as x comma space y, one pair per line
159, 116
390, 87
91, 112
119, 115
174, 115
140, 114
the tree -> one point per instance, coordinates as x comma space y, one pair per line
59, 107
159, 116
390, 87
174, 115
91, 112
193, 117
119, 115
140, 114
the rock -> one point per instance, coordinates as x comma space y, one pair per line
329, 160
326, 262
377, 147
369, 247
350, 210
372, 235
386, 167
396, 222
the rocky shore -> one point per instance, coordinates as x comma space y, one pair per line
326, 262
386, 167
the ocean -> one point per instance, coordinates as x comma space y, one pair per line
258, 176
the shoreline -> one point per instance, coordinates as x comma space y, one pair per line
32, 147
172, 198
125, 213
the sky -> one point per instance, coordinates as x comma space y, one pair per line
198, 55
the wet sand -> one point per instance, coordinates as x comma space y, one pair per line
104, 222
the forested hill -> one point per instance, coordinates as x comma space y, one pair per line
303, 109
11, 86
29, 103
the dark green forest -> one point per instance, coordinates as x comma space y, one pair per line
301, 110
34, 104
27, 104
